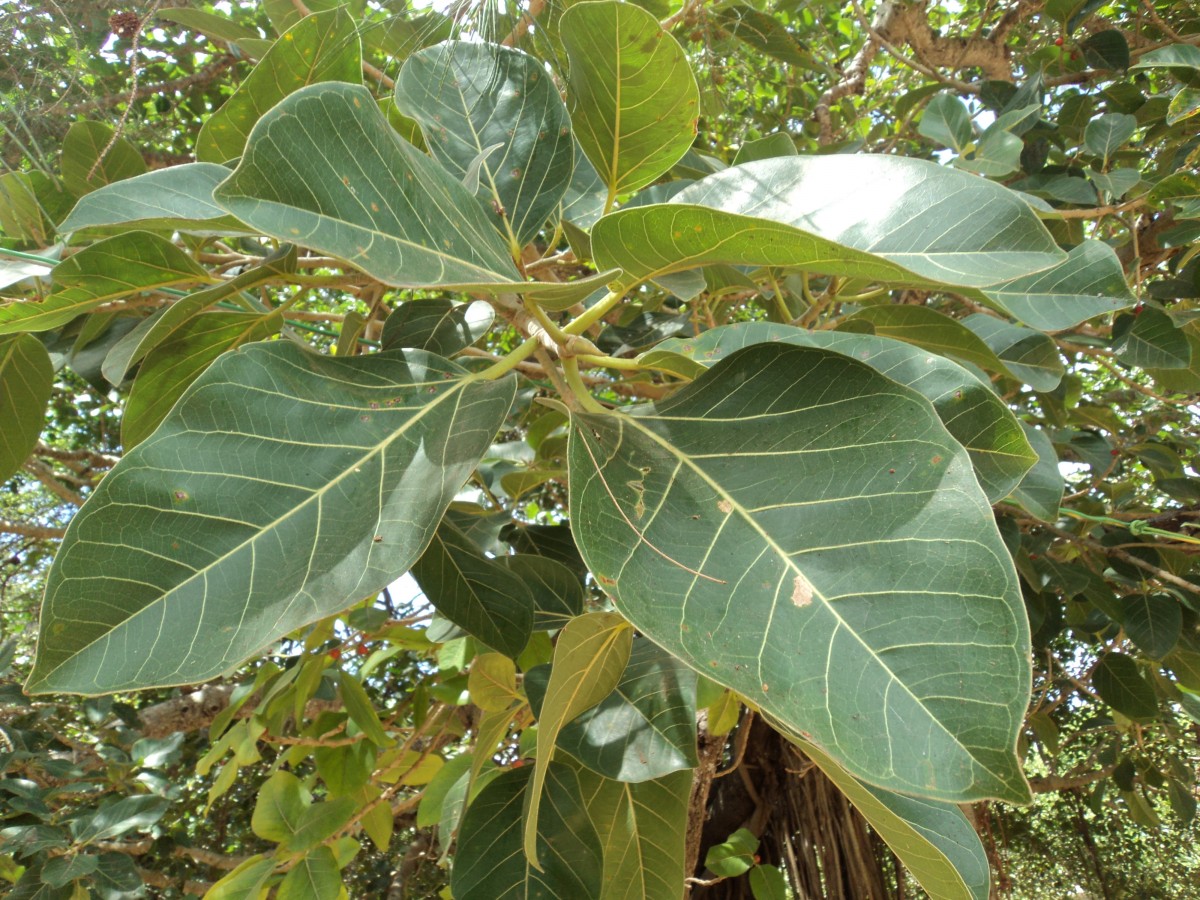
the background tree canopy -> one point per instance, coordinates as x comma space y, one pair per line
599, 449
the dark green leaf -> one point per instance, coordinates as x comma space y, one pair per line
768, 883
489, 862
116, 878
343, 468
1154, 622
634, 105
557, 593
116, 817
321, 47
439, 326
764, 32
1107, 134
1119, 683
61, 870
26, 380
499, 106
1041, 490
925, 327
1106, 50
1150, 339
838, 506
475, 592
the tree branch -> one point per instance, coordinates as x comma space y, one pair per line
46, 476
38, 532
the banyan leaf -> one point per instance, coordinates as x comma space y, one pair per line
321, 47
888, 219
557, 593
971, 411
831, 503
643, 831
475, 592
470, 96
26, 381
644, 729
112, 268
92, 158
634, 105
1119, 683
1154, 622
489, 862
342, 469
179, 360
440, 326
1150, 340
1029, 355
925, 327
324, 169
1089, 283
178, 197
1041, 490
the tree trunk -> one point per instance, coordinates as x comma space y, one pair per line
804, 823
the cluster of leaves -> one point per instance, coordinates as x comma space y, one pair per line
664, 420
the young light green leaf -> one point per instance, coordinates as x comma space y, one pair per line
470, 96
493, 682
181, 358
334, 492
633, 104
361, 710
887, 219
26, 380
321, 47
642, 830
837, 508
489, 861
590, 656
315, 876
246, 882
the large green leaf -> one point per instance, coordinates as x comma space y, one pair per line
283, 487
1029, 355
971, 411
643, 832
439, 325
805, 531
1089, 283
179, 197
947, 121
489, 862
179, 359
894, 220
474, 592
122, 265
557, 593
321, 47
495, 108
315, 876
26, 380
1151, 340
933, 840
1120, 685
1153, 621
589, 658
634, 100
325, 170
644, 729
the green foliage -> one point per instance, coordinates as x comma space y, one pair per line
692, 371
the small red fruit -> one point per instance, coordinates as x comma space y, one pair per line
1114, 452
335, 653
362, 650
1058, 42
